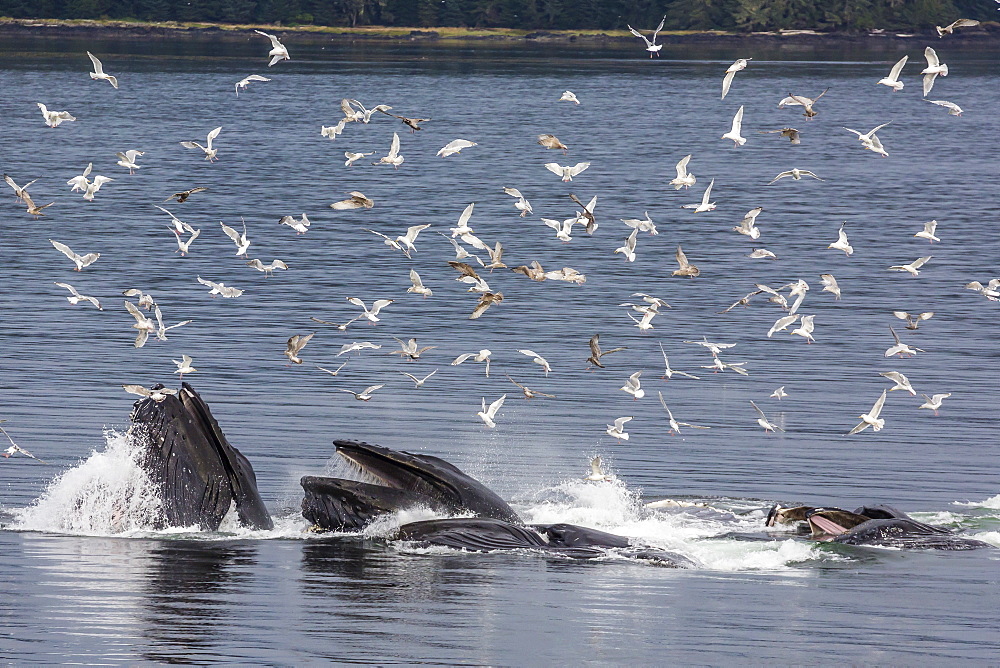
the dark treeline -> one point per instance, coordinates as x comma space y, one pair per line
740, 15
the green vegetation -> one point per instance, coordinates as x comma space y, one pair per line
529, 15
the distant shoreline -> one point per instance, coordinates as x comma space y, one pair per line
172, 29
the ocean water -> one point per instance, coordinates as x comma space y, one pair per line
89, 580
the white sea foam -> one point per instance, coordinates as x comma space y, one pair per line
991, 537
993, 503
614, 508
941, 518
108, 493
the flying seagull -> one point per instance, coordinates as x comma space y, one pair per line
871, 418
651, 45
210, 152
278, 51
98, 73
243, 83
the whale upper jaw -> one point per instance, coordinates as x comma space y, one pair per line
199, 473
395, 480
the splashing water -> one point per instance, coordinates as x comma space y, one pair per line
615, 508
108, 493
991, 537
993, 503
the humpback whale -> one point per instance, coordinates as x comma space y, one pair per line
199, 473
878, 525
484, 534
201, 477
404, 480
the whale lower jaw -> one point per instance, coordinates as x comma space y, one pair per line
335, 504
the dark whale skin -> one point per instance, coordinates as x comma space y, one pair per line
404, 480
198, 472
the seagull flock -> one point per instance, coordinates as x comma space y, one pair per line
476, 262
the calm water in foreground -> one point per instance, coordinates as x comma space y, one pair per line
86, 579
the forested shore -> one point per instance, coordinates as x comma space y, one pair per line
741, 16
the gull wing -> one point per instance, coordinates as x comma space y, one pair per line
919, 262
298, 342
457, 145
727, 81
394, 146
274, 40
799, 100
682, 166
708, 190
664, 404
894, 335
895, 376
578, 167
681, 258
212, 135
928, 82
620, 422
487, 300
413, 231
98, 69
932, 57
89, 259
897, 68
495, 406
861, 426
463, 219
554, 168
70, 288
737, 121
595, 348
64, 249
877, 408
876, 129
664, 20
379, 305
231, 233
781, 323
639, 34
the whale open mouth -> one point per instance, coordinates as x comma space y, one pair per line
391, 480
820, 524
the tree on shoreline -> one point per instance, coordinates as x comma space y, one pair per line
741, 15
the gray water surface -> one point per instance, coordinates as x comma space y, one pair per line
288, 597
